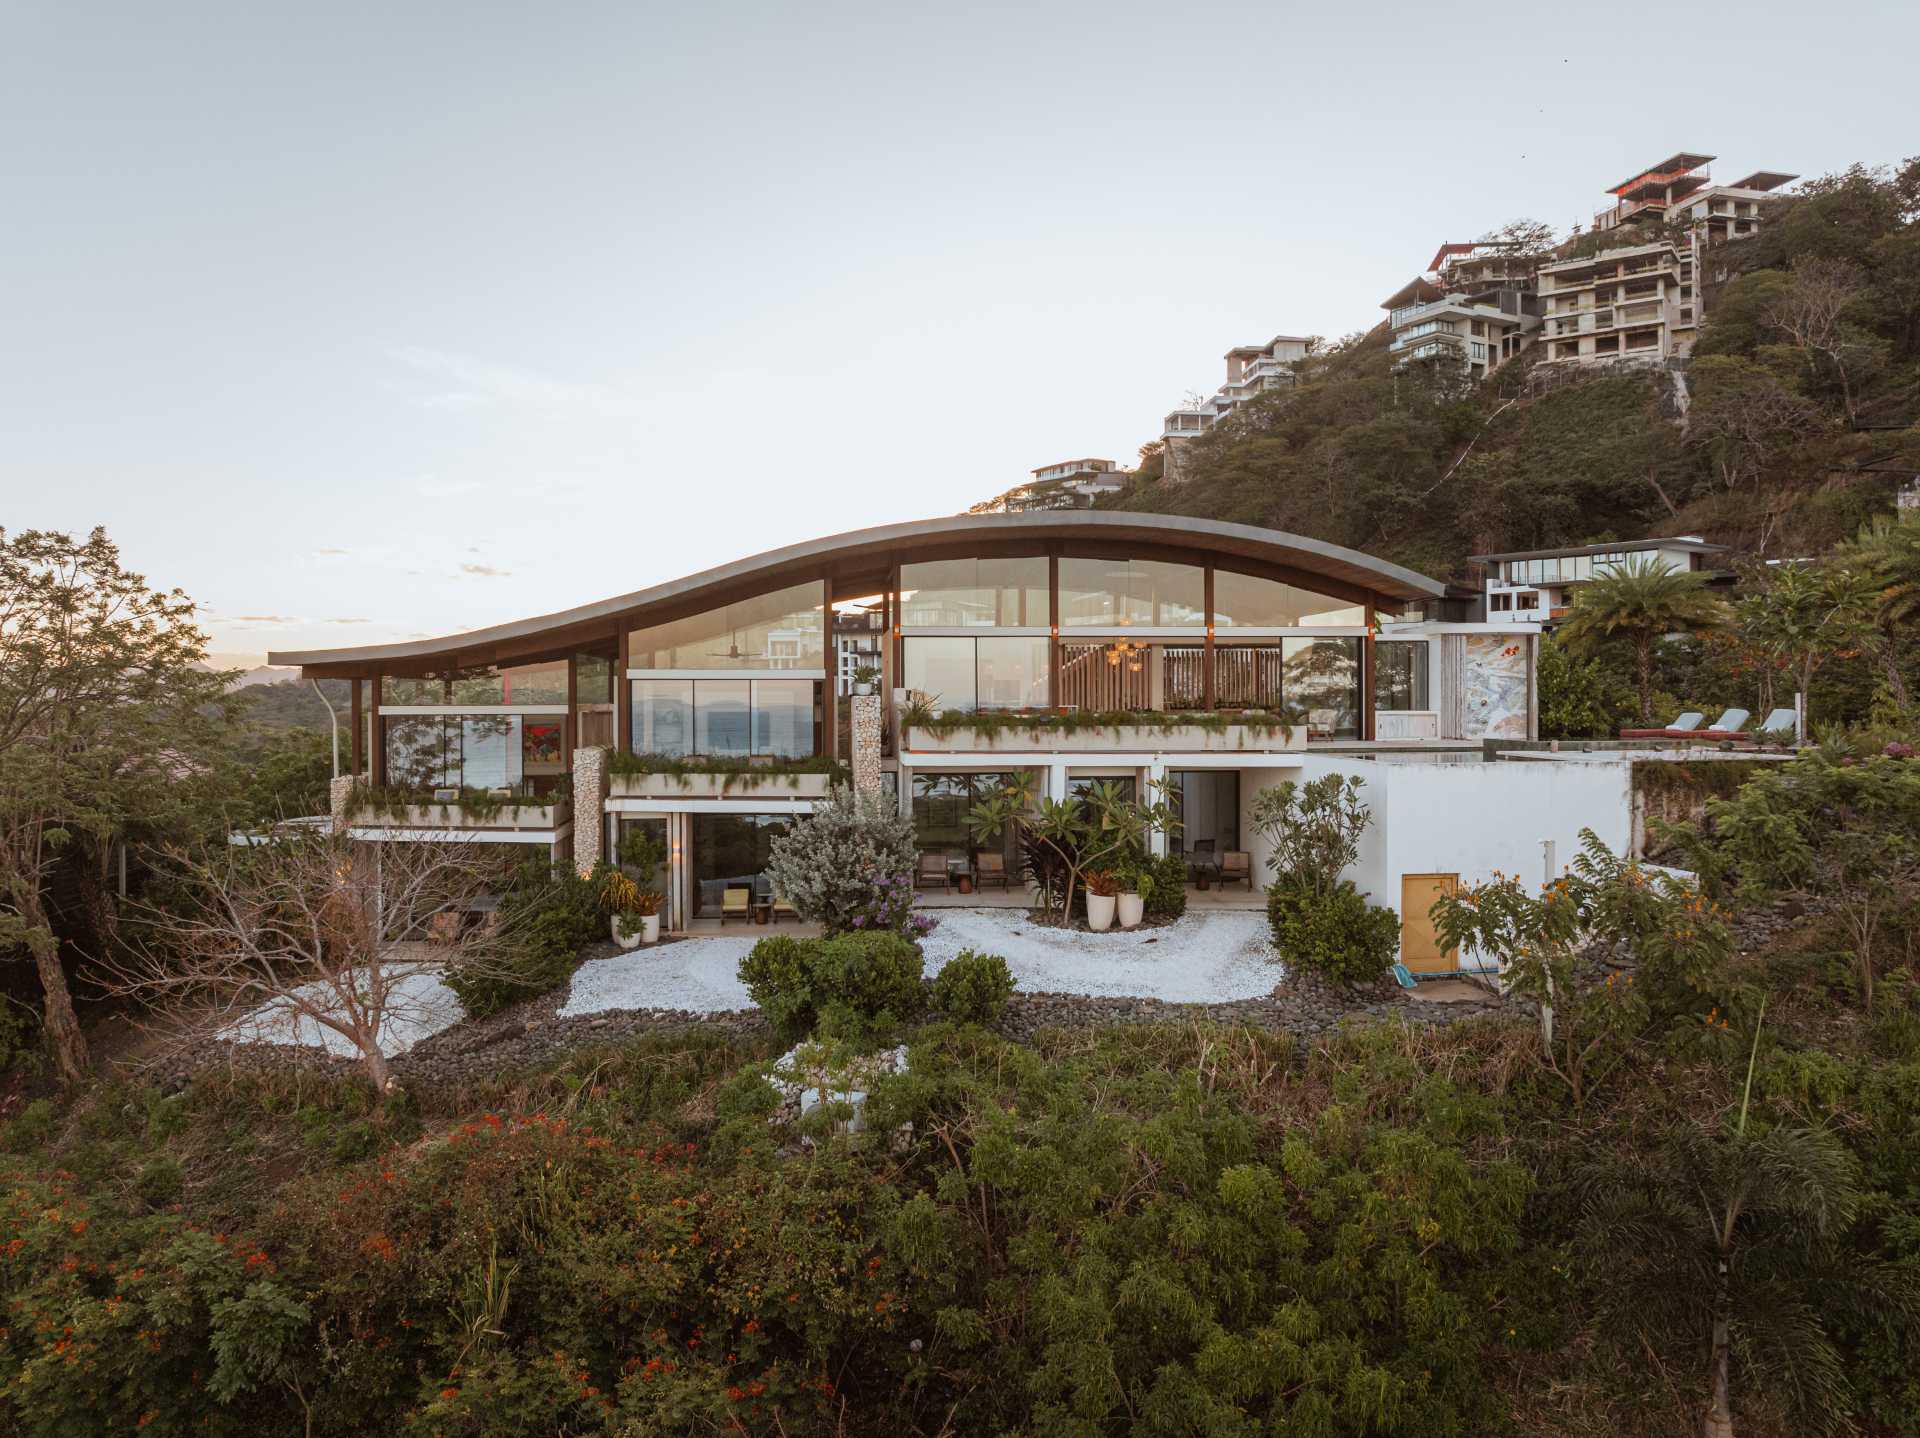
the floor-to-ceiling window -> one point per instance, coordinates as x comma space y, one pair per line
726, 718
474, 751
1208, 803
942, 802
1400, 674
730, 851
1320, 685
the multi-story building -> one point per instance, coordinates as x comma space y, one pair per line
1679, 190
1221, 658
1473, 308
1251, 370
1070, 484
857, 639
1535, 586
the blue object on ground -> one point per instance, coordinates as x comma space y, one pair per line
1405, 979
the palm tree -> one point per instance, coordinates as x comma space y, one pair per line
1886, 554
1738, 1239
1641, 600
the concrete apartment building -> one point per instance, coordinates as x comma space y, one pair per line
1251, 370
1069, 484
1473, 307
1535, 587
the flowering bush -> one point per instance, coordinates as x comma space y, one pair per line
852, 858
888, 909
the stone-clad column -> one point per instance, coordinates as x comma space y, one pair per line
589, 808
337, 793
866, 743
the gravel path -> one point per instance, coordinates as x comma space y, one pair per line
418, 1007
691, 976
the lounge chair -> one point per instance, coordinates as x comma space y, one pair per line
992, 869
782, 909
1727, 726
933, 870
1778, 721
1236, 867
736, 903
1685, 724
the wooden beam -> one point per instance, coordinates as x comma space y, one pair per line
377, 758
1053, 613
622, 696
569, 732
1206, 658
1367, 680
359, 727
830, 692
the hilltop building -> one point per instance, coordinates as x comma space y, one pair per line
1069, 484
1535, 587
1251, 370
1473, 307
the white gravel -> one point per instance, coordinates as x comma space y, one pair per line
694, 975
418, 1007
1200, 958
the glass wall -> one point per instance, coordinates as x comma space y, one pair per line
783, 630
1098, 593
960, 672
1246, 600
1400, 674
941, 802
542, 683
1320, 683
730, 851
1208, 803
725, 718
474, 751
593, 679
952, 593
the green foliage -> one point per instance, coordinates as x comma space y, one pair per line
997, 723
1637, 602
1160, 882
870, 979
972, 988
847, 860
479, 805
1337, 934
740, 773
1578, 697
1313, 829
543, 928
1086, 833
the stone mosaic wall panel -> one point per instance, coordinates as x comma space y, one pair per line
1495, 687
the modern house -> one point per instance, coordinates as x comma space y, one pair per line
1534, 587
1251, 370
1473, 309
1057, 648
1069, 484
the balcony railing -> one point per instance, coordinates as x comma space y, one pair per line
456, 810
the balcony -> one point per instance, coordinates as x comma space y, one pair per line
1143, 733
457, 814
656, 776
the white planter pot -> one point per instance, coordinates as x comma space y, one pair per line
1132, 909
1100, 912
649, 928
623, 940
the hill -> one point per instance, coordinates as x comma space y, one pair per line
1789, 426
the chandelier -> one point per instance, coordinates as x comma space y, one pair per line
1125, 651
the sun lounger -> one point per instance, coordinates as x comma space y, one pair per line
1686, 724
1727, 726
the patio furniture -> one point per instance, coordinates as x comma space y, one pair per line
1778, 721
782, 909
1202, 867
444, 927
1727, 726
1236, 867
992, 870
736, 903
1684, 724
933, 870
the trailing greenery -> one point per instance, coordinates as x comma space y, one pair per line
993, 723
739, 773
478, 805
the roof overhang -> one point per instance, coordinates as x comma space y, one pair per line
1763, 180
1674, 166
860, 563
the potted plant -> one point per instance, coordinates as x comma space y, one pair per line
1101, 891
864, 678
620, 898
647, 906
1131, 902
629, 928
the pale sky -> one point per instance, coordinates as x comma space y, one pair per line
368, 321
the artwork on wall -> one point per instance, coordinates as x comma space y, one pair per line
1496, 687
543, 744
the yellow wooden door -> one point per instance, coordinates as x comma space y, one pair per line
1419, 944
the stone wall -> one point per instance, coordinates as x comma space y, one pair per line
589, 808
866, 743
337, 793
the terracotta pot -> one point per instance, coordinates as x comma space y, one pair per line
963, 884
1131, 910
1100, 912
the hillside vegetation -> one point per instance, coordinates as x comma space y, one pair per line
1790, 426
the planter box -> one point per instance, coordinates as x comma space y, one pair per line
457, 816
1124, 739
719, 786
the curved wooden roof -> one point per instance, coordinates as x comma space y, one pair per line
860, 563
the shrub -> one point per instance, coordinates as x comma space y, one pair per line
543, 929
870, 978
830, 865
972, 988
1162, 885
160, 1183
1339, 936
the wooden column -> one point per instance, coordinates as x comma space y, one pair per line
359, 725
1206, 658
1053, 616
1367, 678
377, 758
622, 699
570, 731
830, 664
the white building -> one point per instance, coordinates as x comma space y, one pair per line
1251, 370
1535, 586
1472, 308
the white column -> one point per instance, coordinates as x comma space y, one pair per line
1154, 775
